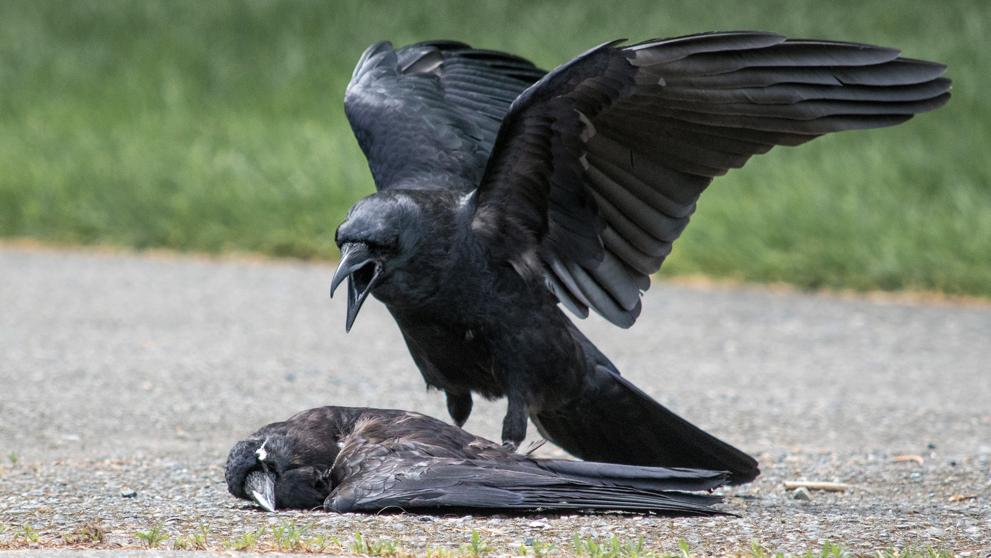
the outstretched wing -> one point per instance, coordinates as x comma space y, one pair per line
597, 167
426, 115
409, 484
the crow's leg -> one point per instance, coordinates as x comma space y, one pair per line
514, 425
459, 406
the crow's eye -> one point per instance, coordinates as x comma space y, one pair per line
382, 247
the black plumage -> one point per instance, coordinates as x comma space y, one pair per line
369, 460
478, 230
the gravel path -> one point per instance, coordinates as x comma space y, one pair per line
124, 379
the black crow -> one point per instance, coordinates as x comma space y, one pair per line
368, 460
498, 199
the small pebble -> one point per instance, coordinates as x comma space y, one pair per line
128, 493
801, 493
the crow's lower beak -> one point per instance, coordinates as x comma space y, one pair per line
260, 485
362, 271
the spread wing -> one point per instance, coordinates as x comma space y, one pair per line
426, 115
598, 166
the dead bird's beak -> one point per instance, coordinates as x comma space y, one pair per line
260, 485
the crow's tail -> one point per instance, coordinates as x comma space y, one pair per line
614, 421
656, 479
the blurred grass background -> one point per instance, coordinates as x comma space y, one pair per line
218, 125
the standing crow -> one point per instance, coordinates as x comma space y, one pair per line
369, 460
498, 199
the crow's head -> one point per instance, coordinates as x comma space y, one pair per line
390, 242
267, 470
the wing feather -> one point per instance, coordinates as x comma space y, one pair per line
491, 487
598, 166
427, 115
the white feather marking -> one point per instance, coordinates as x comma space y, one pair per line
588, 129
466, 199
260, 453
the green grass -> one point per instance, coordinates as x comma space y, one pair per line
613, 547
211, 126
28, 534
153, 537
476, 546
308, 539
245, 541
364, 546
89, 534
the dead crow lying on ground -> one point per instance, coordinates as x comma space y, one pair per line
498, 199
367, 460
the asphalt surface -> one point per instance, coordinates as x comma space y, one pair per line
124, 379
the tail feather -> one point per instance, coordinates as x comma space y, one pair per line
614, 421
636, 476
496, 487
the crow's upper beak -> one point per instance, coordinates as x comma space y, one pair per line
362, 271
260, 485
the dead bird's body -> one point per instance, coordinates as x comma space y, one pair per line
346, 459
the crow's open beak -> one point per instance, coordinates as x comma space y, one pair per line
362, 271
260, 485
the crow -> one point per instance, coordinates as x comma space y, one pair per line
348, 459
504, 192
